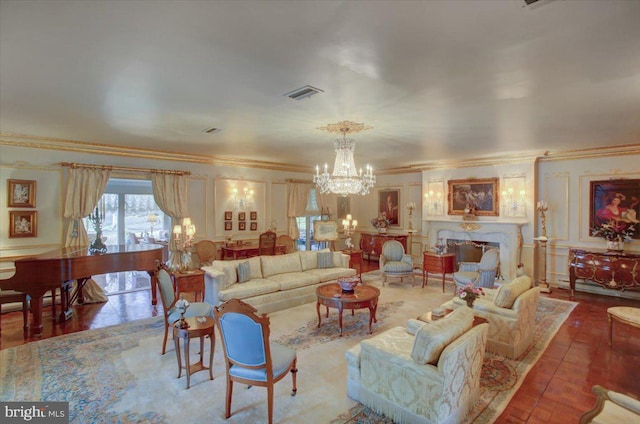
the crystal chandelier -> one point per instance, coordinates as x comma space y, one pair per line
345, 179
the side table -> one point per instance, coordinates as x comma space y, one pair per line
202, 328
189, 282
355, 258
437, 264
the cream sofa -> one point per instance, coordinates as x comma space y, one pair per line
275, 282
430, 377
511, 311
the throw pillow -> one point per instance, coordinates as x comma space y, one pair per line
508, 293
244, 271
431, 339
325, 260
230, 276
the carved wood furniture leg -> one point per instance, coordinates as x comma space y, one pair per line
319, 314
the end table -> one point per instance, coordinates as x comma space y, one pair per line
437, 264
355, 258
198, 327
189, 282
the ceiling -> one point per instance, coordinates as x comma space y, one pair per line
437, 80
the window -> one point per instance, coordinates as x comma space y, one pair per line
305, 224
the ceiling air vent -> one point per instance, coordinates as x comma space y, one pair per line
528, 2
211, 130
303, 92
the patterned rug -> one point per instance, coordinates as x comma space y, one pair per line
501, 377
117, 374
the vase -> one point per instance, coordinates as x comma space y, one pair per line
617, 246
469, 302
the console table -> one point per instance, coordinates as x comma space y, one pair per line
371, 243
609, 269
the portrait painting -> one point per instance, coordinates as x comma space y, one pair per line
389, 205
253, 226
344, 207
242, 216
615, 200
253, 216
228, 225
242, 225
477, 196
228, 215
23, 224
22, 193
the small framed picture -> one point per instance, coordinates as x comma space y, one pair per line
253, 216
22, 194
242, 216
228, 215
228, 225
253, 226
242, 226
23, 224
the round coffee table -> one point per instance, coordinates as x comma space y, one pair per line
198, 327
332, 296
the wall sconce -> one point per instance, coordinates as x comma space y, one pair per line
514, 205
411, 206
183, 236
433, 203
242, 201
349, 226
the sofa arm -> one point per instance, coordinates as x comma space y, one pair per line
381, 261
413, 325
408, 259
344, 260
214, 281
486, 307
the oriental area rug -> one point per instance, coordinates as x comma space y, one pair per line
117, 374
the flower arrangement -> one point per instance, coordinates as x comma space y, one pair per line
614, 231
470, 293
380, 221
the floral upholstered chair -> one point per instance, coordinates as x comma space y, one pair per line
394, 262
479, 274
431, 376
510, 310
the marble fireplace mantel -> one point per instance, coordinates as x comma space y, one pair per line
508, 234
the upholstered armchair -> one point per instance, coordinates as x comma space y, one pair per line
511, 311
394, 262
612, 407
432, 376
479, 274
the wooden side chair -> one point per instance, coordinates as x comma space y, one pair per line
171, 314
285, 240
250, 357
267, 243
206, 250
12, 296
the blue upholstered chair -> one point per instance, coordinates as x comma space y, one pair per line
395, 263
479, 274
249, 356
171, 314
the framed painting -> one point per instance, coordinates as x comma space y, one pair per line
253, 226
242, 216
344, 207
242, 225
253, 216
228, 215
325, 230
23, 224
478, 195
615, 200
389, 205
22, 193
228, 225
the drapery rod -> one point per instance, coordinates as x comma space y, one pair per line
124, 168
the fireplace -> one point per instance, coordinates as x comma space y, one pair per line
507, 236
470, 250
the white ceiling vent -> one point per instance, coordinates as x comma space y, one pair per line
211, 130
303, 92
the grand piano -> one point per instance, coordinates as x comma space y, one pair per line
60, 267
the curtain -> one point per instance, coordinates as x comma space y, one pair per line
85, 187
170, 194
328, 202
298, 194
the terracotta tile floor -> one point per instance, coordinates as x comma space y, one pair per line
556, 390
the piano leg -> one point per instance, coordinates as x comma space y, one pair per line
36, 316
66, 299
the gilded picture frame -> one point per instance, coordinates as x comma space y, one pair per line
325, 230
23, 224
389, 205
617, 200
480, 196
21, 193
